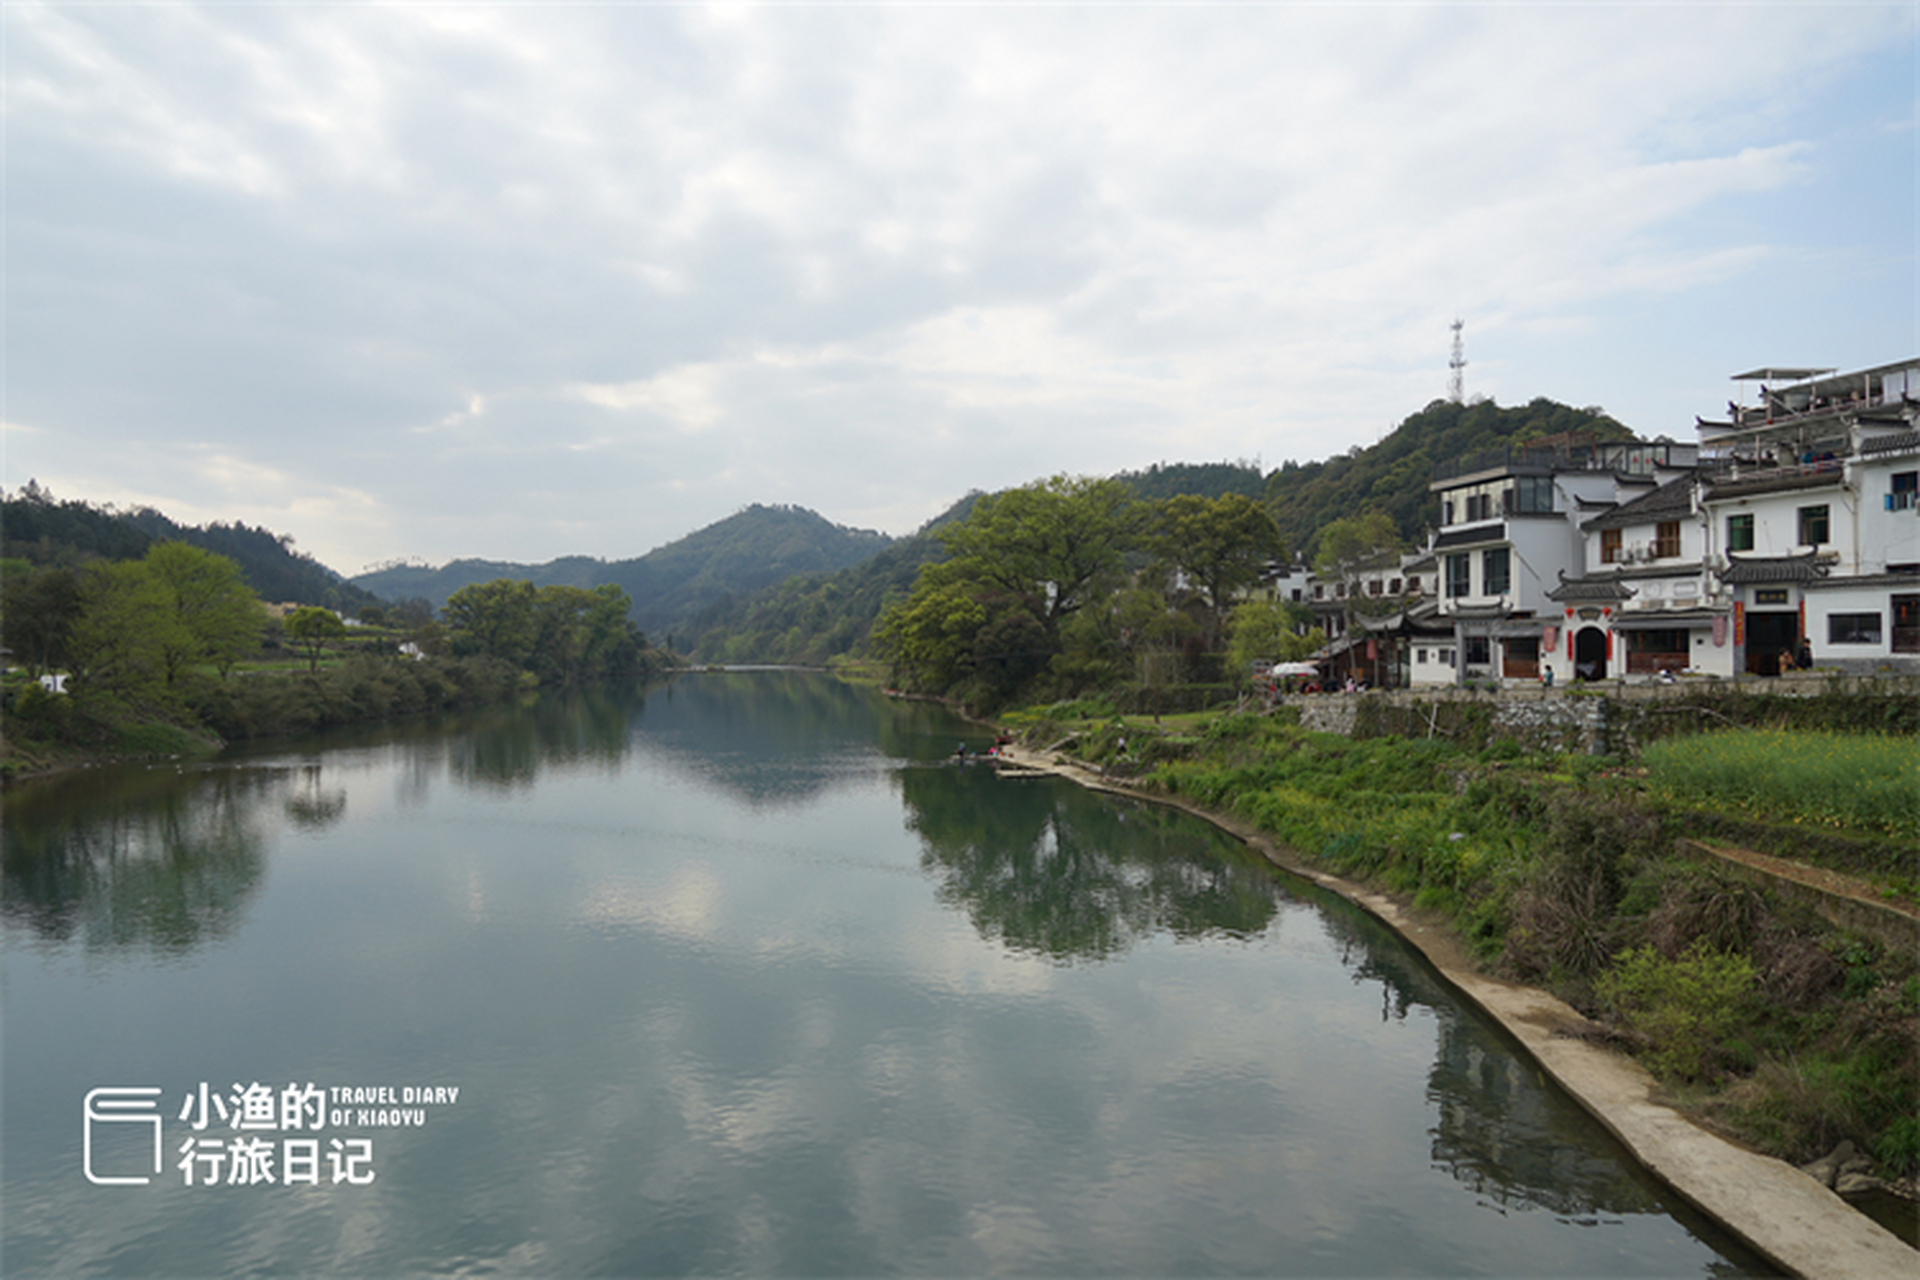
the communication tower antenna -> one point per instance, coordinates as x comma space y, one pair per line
1457, 366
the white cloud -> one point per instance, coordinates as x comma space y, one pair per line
662, 260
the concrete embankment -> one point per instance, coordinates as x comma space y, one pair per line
1780, 1212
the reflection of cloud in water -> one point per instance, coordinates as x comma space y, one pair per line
686, 906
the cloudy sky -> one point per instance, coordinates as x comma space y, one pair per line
519, 281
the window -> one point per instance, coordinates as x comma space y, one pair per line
1906, 491
1740, 532
1393, 588
1420, 657
1479, 651
1666, 539
1457, 574
1496, 576
1479, 506
1813, 525
1339, 591
1906, 624
1413, 586
1530, 496
1319, 591
1373, 586
1446, 511
1609, 546
1853, 628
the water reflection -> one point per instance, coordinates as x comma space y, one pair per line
152, 860
1072, 875
1076, 876
777, 1045
786, 737
506, 748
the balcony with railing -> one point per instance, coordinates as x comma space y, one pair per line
1627, 457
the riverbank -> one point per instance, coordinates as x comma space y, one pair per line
43, 734
1782, 1213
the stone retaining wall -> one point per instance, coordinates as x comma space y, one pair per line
1595, 719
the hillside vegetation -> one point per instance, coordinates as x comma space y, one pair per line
817, 618
39, 530
672, 586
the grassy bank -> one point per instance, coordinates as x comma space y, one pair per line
1563, 872
40, 731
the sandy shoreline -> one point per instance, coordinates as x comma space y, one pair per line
1778, 1211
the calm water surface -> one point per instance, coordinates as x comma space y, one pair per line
742, 975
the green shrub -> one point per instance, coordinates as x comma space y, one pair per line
1682, 1007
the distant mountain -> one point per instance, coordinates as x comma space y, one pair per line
751, 550
36, 527
810, 619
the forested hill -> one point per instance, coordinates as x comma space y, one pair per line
42, 530
277, 573
1392, 476
810, 619
751, 550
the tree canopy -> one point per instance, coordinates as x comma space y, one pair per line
1220, 544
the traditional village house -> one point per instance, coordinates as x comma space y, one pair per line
1394, 620
1812, 506
1649, 577
1512, 531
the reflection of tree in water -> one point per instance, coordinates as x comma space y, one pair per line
507, 747
147, 859
783, 737
1500, 1127
309, 803
1051, 868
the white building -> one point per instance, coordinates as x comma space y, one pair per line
1812, 504
1797, 531
1512, 540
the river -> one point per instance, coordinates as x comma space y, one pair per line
741, 974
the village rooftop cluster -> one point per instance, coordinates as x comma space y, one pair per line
1787, 537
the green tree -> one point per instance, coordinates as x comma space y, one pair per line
310, 628
124, 628
38, 609
1220, 545
931, 634
1052, 540
581, 633
1270, 631
498, 618
218, 615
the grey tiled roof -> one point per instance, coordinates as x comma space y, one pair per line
1802, 568
1608, 590
1672, 499
1899, 442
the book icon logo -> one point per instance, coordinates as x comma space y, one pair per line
124, 1150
